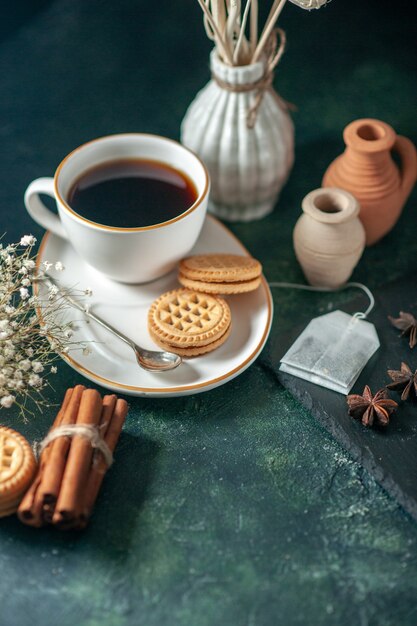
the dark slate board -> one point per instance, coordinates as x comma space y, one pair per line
389, 454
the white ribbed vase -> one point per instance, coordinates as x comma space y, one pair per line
248, 166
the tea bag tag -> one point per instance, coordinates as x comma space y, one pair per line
332, 350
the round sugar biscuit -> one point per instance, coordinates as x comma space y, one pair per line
188, 319
220, 268
12, 498
11, 511
197, 351
17, 468
11, 506
223, 289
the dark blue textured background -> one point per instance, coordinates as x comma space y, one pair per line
232, 507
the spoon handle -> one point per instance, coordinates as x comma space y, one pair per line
89, 314
110, 328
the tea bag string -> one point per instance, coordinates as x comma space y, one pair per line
358, 315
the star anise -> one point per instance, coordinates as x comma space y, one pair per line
408, 324
405, 381
371, 409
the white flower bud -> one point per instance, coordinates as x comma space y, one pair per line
35, 380
25, 365
310, 4
7, 401
53, 290
28, 240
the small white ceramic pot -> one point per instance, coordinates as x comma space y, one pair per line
329, 237
248, 166
130, 255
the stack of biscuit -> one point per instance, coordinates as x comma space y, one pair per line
17, 469
195, 320
223, 274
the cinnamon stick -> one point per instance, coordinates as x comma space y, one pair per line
49, 488
109, 402
78, 462
99, 467
30, 508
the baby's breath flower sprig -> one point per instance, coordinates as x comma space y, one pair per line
28, 343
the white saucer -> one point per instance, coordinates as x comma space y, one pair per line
112, 364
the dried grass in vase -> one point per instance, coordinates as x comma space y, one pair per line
234, 27
238, 124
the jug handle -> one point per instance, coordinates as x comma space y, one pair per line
408, 155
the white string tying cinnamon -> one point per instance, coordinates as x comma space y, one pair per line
273, 54
92, 433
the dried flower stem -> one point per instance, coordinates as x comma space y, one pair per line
226, 26
253, 27
219, 15
241, 40
220, 42
268, 28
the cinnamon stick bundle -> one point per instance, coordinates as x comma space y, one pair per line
70, 471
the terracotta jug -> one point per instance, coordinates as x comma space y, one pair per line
367, 170
329, 238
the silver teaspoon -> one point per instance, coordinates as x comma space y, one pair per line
150, 360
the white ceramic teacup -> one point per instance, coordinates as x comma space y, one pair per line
130, 255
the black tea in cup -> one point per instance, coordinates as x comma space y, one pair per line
131, 193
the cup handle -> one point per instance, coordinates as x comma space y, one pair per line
408, 154
38, 211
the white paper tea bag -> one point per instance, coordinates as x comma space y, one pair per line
332, 351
